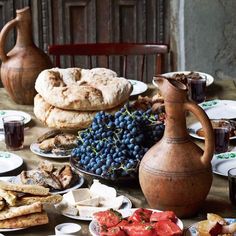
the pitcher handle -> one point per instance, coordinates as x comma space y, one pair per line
3, 35
207, 127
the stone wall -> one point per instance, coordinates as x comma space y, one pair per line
203, 36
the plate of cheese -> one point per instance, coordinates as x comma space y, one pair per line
81, 204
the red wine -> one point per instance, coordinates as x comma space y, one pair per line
14, 134
197, 90
232, 190
221, 139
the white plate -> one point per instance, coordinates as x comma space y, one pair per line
127, 204
94, 227
4, 113
78, 184
222, 162
209, 78
9, 162
215, 109
34, 147
10, 230
193, 128
192, 231
220, 109
138, 87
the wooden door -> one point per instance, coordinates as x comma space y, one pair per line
91, 21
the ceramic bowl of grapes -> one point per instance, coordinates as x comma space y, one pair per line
113, 146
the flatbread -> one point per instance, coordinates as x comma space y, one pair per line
32, 189
52, 199
81, 89
12, 212
25, 221
57, 118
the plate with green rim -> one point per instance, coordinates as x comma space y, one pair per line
215, 109
9, 162
222, 162
3, 113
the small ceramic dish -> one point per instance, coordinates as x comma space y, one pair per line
67, 229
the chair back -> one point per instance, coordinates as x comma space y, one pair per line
107, 51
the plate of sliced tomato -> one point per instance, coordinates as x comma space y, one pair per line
135, 221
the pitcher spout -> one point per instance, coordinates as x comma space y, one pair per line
171, 89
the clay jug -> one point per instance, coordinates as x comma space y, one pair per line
175, 174
21, 66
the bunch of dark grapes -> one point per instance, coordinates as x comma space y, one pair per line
114, 144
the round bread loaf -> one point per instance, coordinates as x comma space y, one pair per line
82, 89
63, 119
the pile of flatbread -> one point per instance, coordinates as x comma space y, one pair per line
70, 98
21, 205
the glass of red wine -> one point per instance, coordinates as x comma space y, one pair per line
222, 134
197, 89
232, 185
14, 131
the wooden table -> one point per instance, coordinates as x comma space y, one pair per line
217, 200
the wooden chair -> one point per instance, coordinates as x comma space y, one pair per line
123, 50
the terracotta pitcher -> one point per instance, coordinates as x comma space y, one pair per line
175, 174
21, 66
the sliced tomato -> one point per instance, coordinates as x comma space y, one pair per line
108, 218
163, 215
167, 228
139, 229
124, 222
114, 231
141, 215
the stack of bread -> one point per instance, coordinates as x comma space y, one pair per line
21, 206
70, 98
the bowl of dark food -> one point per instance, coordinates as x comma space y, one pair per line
113, 146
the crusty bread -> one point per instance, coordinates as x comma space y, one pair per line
32, 189
12, 212
52, 198
57, 118
81, 89
25, 221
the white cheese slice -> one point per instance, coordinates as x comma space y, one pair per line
114, 203
77, 195
65, 208
102, 190
87, 211
89, 202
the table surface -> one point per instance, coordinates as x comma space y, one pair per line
217, 200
